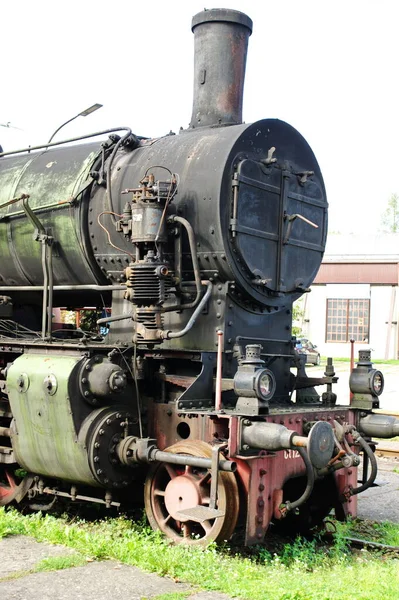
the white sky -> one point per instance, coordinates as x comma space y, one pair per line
327, 67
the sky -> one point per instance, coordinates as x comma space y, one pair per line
327, 67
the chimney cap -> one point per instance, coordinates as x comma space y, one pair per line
222, 15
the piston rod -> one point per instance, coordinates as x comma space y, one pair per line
133, 450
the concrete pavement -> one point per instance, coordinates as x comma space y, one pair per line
94, 581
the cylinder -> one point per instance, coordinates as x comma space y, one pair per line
55, 180
220, 53
382, 426
268, 436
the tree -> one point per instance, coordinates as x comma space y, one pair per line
297, 317
390, 216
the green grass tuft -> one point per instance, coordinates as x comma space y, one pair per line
302, 571
56, 563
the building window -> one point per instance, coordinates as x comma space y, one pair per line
347, 319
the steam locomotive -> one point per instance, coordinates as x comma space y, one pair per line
199, 243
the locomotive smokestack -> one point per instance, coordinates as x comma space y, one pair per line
220, 53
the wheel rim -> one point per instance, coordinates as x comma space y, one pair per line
170, 488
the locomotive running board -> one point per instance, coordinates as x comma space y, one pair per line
199, 514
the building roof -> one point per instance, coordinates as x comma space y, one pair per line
362, 248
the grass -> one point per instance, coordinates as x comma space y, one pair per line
52, 563
303, 570
172, 596
378, 361
383, 532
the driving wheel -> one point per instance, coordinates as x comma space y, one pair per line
170, 489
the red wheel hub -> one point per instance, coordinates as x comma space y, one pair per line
182, 492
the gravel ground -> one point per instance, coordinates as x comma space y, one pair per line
381, 503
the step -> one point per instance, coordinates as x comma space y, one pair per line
6, 455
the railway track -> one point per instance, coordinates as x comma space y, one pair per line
357, 543
387, 450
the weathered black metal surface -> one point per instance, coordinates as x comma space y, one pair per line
221, 40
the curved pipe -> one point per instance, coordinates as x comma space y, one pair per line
169, 335
290, 506
373, 461
194, 258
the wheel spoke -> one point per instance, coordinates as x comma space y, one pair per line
4, 491
186, 530
165, 520
159, 492
170, 470
205, 479
8, 489
207, 527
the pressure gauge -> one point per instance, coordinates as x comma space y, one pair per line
264, 384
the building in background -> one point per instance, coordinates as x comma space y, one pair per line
355, 295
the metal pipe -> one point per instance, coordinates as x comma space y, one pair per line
68, 141
194, 258
191, 461
115, 318
49, 252
290, 506
37, 224
45, 289
132, 450
169, 335
37, 209
62, 288
218, 391
178, 259
352, 365
373, 461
